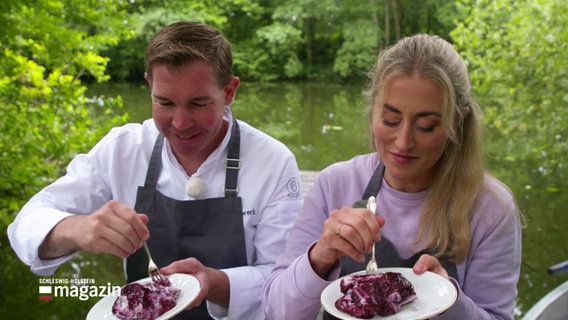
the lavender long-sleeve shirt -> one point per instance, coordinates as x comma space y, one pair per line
487, 279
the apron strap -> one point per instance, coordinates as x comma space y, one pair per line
155, 163
375, 182
233, 162
385, 246
390, 257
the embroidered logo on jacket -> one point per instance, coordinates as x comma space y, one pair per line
293, 187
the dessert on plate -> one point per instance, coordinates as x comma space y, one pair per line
382, 294
145, 300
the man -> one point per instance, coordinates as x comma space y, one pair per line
213, 197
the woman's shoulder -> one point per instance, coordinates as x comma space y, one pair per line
359, 164
351, 173
494, 189
495, 200
343, 182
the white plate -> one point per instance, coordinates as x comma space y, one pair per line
189, 286
434, 295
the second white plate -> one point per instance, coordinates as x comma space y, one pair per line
434, 293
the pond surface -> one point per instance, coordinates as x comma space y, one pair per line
320, 123
324, 123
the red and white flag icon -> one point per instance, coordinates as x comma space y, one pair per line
45, 293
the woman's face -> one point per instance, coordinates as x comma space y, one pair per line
408, 132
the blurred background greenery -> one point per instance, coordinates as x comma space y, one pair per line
71, 69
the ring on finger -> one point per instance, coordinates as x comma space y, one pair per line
338, 232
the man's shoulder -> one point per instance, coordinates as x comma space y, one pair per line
135, 131
130, 137
255, 138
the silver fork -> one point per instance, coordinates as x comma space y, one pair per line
153, 270
372, 267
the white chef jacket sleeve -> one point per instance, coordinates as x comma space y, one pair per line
28, 232
54, 203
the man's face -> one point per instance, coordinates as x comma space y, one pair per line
188, 107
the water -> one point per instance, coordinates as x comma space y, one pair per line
320, 123
323, 123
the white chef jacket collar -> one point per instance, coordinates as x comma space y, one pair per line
220, 151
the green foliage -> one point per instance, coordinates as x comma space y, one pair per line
148, 16
293, 39
517, 53
127, 57
22, 302
277, 58
358, 51
427, 16
46, 118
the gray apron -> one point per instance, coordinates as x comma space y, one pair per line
386, 252
210, 230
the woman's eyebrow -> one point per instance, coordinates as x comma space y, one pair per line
418, 115
392, 108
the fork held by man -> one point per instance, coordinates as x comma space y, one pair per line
153, 270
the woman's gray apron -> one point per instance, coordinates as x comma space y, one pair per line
387, 256
210, 230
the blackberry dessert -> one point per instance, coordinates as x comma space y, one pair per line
382, 294
145, 300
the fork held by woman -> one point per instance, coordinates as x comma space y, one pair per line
372, 267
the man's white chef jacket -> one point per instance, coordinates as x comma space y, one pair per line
268, 183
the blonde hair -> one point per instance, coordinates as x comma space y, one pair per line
446, 213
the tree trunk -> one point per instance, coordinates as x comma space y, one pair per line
310, 23
375, 18
387, 23
396, 22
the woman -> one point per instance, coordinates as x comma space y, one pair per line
438, 209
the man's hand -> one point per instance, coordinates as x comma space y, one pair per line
214, 283
114, 228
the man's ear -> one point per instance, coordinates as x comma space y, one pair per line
148, 79
231, 90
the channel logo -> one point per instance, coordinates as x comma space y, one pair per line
83, 290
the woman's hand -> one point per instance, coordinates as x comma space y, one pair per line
427, 262
347, 232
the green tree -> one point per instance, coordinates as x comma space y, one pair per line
237, 19
47, 47
517, 54
370, 26
294, 39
